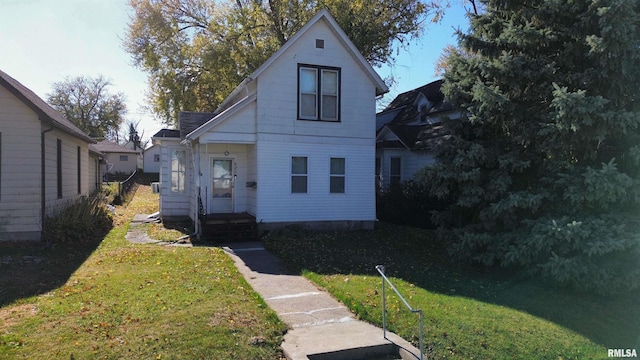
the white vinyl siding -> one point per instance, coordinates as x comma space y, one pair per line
278, 204
410, 163
115, 163
20, 182
58, 195
172, 204
151, 160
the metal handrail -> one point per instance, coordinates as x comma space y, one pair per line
380, 269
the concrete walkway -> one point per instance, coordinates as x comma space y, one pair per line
320, 327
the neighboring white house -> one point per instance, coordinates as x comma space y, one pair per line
152, 154
151, 157
407, 128
118, 159
44, 161
293, 143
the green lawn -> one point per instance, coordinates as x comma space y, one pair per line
468, 313
115, 300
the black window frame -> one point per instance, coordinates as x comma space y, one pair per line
318, 116
338, 188
297, 177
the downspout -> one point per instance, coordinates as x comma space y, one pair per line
197, 183
43, 183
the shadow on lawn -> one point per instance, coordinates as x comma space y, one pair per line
413, 255
33, 269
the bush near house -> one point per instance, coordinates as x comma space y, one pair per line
408, 203
85, 221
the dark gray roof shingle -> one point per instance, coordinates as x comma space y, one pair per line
191, 120
167, 133
402, 109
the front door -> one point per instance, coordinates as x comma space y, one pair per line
222, 186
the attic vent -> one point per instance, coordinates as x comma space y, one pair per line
319, 44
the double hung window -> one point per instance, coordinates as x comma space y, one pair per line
337, 176
178, 170
299, 174
318, 93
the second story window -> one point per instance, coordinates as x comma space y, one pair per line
318, 93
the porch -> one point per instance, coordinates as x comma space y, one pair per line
229, 227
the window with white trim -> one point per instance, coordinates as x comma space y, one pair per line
337, 175
178, 170
299, 175
318, 93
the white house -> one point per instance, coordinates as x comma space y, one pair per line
407, 129
151, 155
118, 158
44, 161
293, 143
151, 163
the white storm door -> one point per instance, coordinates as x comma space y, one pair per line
222, 186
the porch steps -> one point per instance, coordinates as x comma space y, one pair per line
233, 227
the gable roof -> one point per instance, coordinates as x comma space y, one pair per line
189, 121
403, 108
415, 137
221, 117
45, 111
106, 146
94, 150
322, 15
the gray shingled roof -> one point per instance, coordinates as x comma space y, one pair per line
44, 110
417, 137
191, 120
401, 110
167, 133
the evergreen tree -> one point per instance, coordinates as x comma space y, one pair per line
544, 171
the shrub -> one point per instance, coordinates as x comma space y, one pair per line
408, 203
84, 221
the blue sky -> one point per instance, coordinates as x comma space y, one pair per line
44, 41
